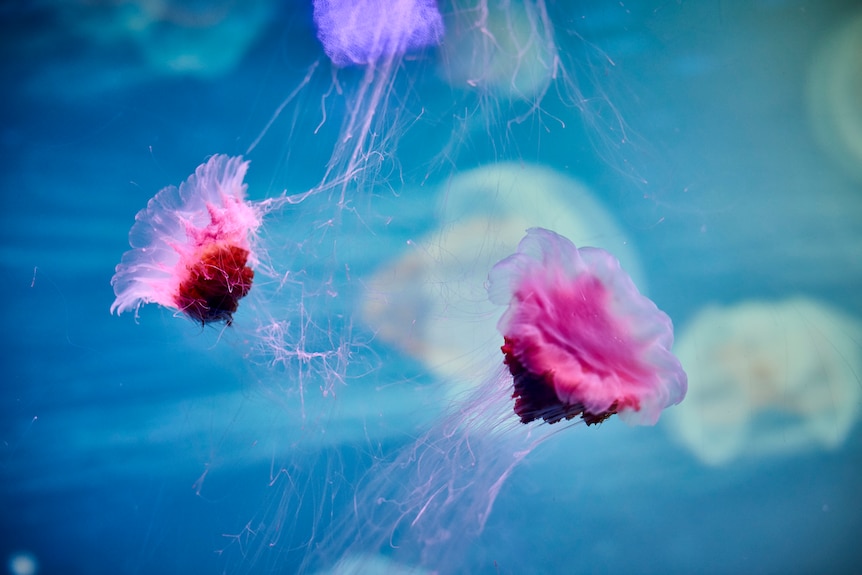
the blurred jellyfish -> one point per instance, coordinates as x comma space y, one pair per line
431, 302
835, 95
579, 340
192, 246
505, 48
196, 38
371, 565
768, 378
23, 563
145, 39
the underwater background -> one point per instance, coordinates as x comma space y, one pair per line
716, 148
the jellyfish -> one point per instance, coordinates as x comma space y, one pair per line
372, 565
768, 378
22, 563
197, 39
365, 31
192, 247
835, 96
509, 52
371, 39
580, 339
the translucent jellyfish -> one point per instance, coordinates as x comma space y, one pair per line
835, 95
192, 246
366, 31
372, 565
580, 340
510, 52
23, 563
195, 38
768, 378
431, 301
373, 36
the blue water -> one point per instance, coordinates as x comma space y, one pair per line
155, 446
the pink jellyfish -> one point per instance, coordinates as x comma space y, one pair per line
192, 246
580, 339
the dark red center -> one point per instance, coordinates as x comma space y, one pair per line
536, 398
215, 284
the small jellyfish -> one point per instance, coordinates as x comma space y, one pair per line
506, 48
835, 96
365, 31
580, 339
192, 246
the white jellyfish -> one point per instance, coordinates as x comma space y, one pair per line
835, 96
768, 378
204, 39
372, 565
506, 48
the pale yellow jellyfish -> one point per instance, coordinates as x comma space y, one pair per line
835, 95
432, 302
768, 378
372, 565
506, 48
193, 38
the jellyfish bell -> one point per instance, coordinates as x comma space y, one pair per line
835, 96
192, 246
202, 39
363, 564
22, 563
503, 48
580, 339
768, 378
360, 32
